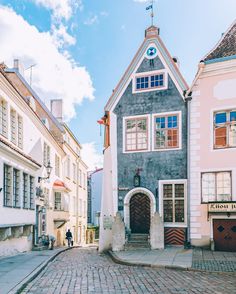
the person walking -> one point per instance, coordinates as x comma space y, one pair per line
69, 237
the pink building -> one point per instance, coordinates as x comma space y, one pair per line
212, 149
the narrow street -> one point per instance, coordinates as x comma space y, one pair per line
85, 271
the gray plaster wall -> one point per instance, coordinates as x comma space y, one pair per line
163, 165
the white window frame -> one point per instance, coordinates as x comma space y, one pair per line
215, 172
147, 116
160, 114
3, 117
160, 185
150, 73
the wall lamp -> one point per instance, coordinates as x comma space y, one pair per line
49, 170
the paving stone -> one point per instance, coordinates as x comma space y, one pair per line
85, 271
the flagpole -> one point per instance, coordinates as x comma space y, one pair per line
152, 12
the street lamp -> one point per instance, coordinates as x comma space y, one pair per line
49, 170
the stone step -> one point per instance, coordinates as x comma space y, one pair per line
137, 245
143, 237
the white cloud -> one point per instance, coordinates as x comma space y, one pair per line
56, 74
61, 36
91, 157
61, 9
91, 20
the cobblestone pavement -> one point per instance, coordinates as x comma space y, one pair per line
85, 271
214, 260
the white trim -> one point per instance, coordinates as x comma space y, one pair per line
212, 134
148, 74
154, 115
111, 104
148, 132
127, 203
160, 188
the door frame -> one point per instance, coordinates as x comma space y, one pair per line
127, 203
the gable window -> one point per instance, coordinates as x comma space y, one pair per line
216, 186
136, 134
13, 126
149, 81
225, 129
57, 165
174, 198
166, 131
20, 131
3, 117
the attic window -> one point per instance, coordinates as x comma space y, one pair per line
149, 82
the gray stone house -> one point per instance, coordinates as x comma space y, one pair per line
145, 156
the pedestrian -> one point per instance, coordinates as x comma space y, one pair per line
52, 240
69, 237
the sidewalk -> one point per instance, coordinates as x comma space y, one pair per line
16, 270
179, 258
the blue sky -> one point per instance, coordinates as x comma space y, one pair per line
100, 37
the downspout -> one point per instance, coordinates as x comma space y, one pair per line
77, 201
188, 99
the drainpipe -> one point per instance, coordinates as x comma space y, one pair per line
187, 237
77, 200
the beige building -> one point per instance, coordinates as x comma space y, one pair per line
42, 177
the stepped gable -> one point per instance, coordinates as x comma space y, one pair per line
226, 46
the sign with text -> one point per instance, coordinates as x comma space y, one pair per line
107, 222
222, 207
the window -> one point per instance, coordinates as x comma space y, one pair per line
85, 208
16, 188
68, 167
20, 132
166, 131
3, 117
74, 172
151, 81
46, 154
225, 129
80, 177
136, 134
216, 186
84, 180
80, 207
25, 191
7, 188
32, 192
57, 165
58, 204
13, 126
174, 202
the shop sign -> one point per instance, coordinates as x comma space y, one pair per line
222, 207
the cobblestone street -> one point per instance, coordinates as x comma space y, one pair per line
85, 271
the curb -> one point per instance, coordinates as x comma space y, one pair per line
35, 272
118, 260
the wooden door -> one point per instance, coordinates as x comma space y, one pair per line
140, 214
224, 234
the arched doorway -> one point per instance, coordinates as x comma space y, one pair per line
140, 211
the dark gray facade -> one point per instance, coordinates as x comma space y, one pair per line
155, 165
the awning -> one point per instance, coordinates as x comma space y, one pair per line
59, 185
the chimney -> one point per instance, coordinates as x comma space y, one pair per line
18, 66
152, 32
56, 109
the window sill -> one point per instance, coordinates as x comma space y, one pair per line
175, 225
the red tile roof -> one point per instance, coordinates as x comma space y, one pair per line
226, 46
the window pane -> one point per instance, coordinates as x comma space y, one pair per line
179, 190
172, 138
168, 211
220, 136
223, 186
160, 139
233, 116
232, 135
220, 118
208, 187
179, 211
167, 191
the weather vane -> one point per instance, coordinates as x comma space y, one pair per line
150, 7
